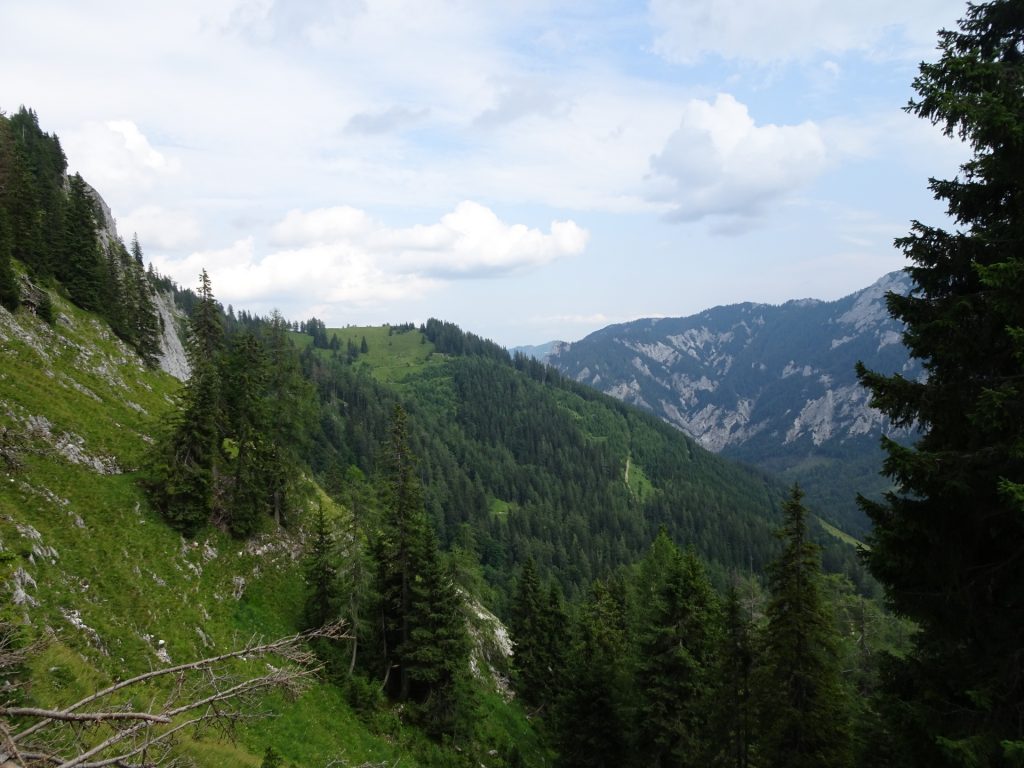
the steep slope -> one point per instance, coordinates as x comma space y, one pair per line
771, 385
520, 462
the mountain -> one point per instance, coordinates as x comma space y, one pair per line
525, 463
537, 351
770, 385
516, 464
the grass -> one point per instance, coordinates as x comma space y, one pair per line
841, 535
112, 583
101, 559
392, 355
639, 484
500, 507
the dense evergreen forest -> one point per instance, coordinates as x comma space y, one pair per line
668, 608
54, 225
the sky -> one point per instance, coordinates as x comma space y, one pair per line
530, 169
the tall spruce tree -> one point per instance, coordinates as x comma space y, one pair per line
537, 623
426, 644
9, 293
183, 464
948, 542
144, 321
803, 701
592, 717
321, 574
81, 266
733, 715
246, 425
677, 645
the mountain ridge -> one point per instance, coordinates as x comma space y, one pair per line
772, 385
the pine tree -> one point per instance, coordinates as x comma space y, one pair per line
246, 423
289, 426
183, 465
145, 321
677, 643
947, 543
425, 640
9, 293
803, 701
321, 574
537, 623
81, 266
733, 714
592, 721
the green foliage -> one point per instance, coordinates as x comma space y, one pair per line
592, 716
426, 648
677, 643
50, 224
321, 577
230, 450
733, 714
9, 293
272, 759
536, 623
946, 543
805, 710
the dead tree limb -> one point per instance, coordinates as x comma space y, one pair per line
103, 729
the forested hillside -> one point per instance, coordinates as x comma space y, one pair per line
518, 462
774, 386
398, 545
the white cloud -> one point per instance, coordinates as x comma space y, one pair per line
521, 97
342, 255
323, 225
754, 30
116, 154
160, 228
720, 163
394, 118
472, 241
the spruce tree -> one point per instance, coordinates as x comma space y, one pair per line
537, 626
592, 717
145, 320
425, 639
321, 574
947, 542
184, 462
246, 423
733, 713
676, 655
9, 293
289, 427
804, 705
81, 266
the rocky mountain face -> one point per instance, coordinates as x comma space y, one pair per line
171, 357
771, 385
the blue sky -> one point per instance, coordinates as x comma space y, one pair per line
529, 170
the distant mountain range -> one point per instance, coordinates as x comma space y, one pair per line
770, 385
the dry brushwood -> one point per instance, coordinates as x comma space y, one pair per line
105, 729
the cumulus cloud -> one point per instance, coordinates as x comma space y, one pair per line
161, 228
719, 162
341, 254
394, 118
117, 154
323, 225
762, 32
522, 97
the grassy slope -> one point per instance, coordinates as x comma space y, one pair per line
91, 546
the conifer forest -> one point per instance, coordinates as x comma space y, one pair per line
405, 545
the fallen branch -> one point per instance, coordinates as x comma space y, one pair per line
79, 736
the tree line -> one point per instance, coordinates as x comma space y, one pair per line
52, 224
